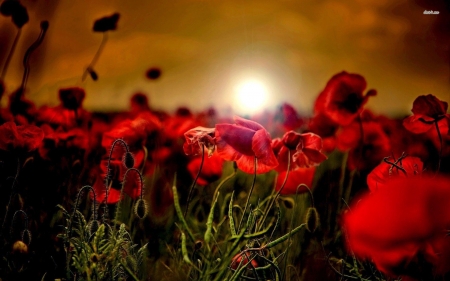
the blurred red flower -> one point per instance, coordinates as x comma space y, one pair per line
71, 98
295, 178
404, 166
23, 138
402, 225
211, 170
305, 150
64, 140
427, 110
342, 99
243, 142
367, 151
198, 137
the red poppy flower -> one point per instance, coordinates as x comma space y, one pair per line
211, 170
243, 142
289, 117
427, 110
404, 166
342, 99
305, 150
366, 153
132, 184
20, 138
402, 225
295, 178
198, 137
64, 140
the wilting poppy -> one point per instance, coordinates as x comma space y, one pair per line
295, 179
402, 226
23, 138
243, 142
428, 110
106, 23
305, 150
390, 168
198, 137
342, 99
211, 170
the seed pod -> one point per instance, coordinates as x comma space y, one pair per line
312, 219
128, 160
26, 237
19, 247
93, 227
198, 245
141, 209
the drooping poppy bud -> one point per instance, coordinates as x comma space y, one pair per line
312, 219
128, 160
141, 209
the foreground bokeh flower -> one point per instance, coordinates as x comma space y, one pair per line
402, 225
242, 142
389, 169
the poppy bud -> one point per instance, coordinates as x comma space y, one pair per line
141, 209
19, 247
26, 237
198, 245
93, 227
312, 219
153, 73
128, 160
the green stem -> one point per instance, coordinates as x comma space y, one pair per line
249, 194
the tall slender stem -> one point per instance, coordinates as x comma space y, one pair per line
249, 195
191, 189
96, 56
441, 145
10, 54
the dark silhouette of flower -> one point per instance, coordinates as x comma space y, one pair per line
72, 98
342, 99
106, 23
153, 73
20, 138
198, 137
402, 226
305, 150
14, 9
404, 166
428, 110
242, 142
295, 179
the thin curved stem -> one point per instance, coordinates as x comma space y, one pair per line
96, 56
34, 46
11, 195
116, 216
249, 195
191, 189
10, 54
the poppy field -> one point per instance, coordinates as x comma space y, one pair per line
145, 194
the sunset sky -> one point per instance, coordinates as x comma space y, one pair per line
205, 48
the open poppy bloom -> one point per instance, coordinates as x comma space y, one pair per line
20, 138
243, 142
295, 179
342, 99
404, 166
305, 150
198, 137
403, 226
428, 110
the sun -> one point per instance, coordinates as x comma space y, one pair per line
251, 96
